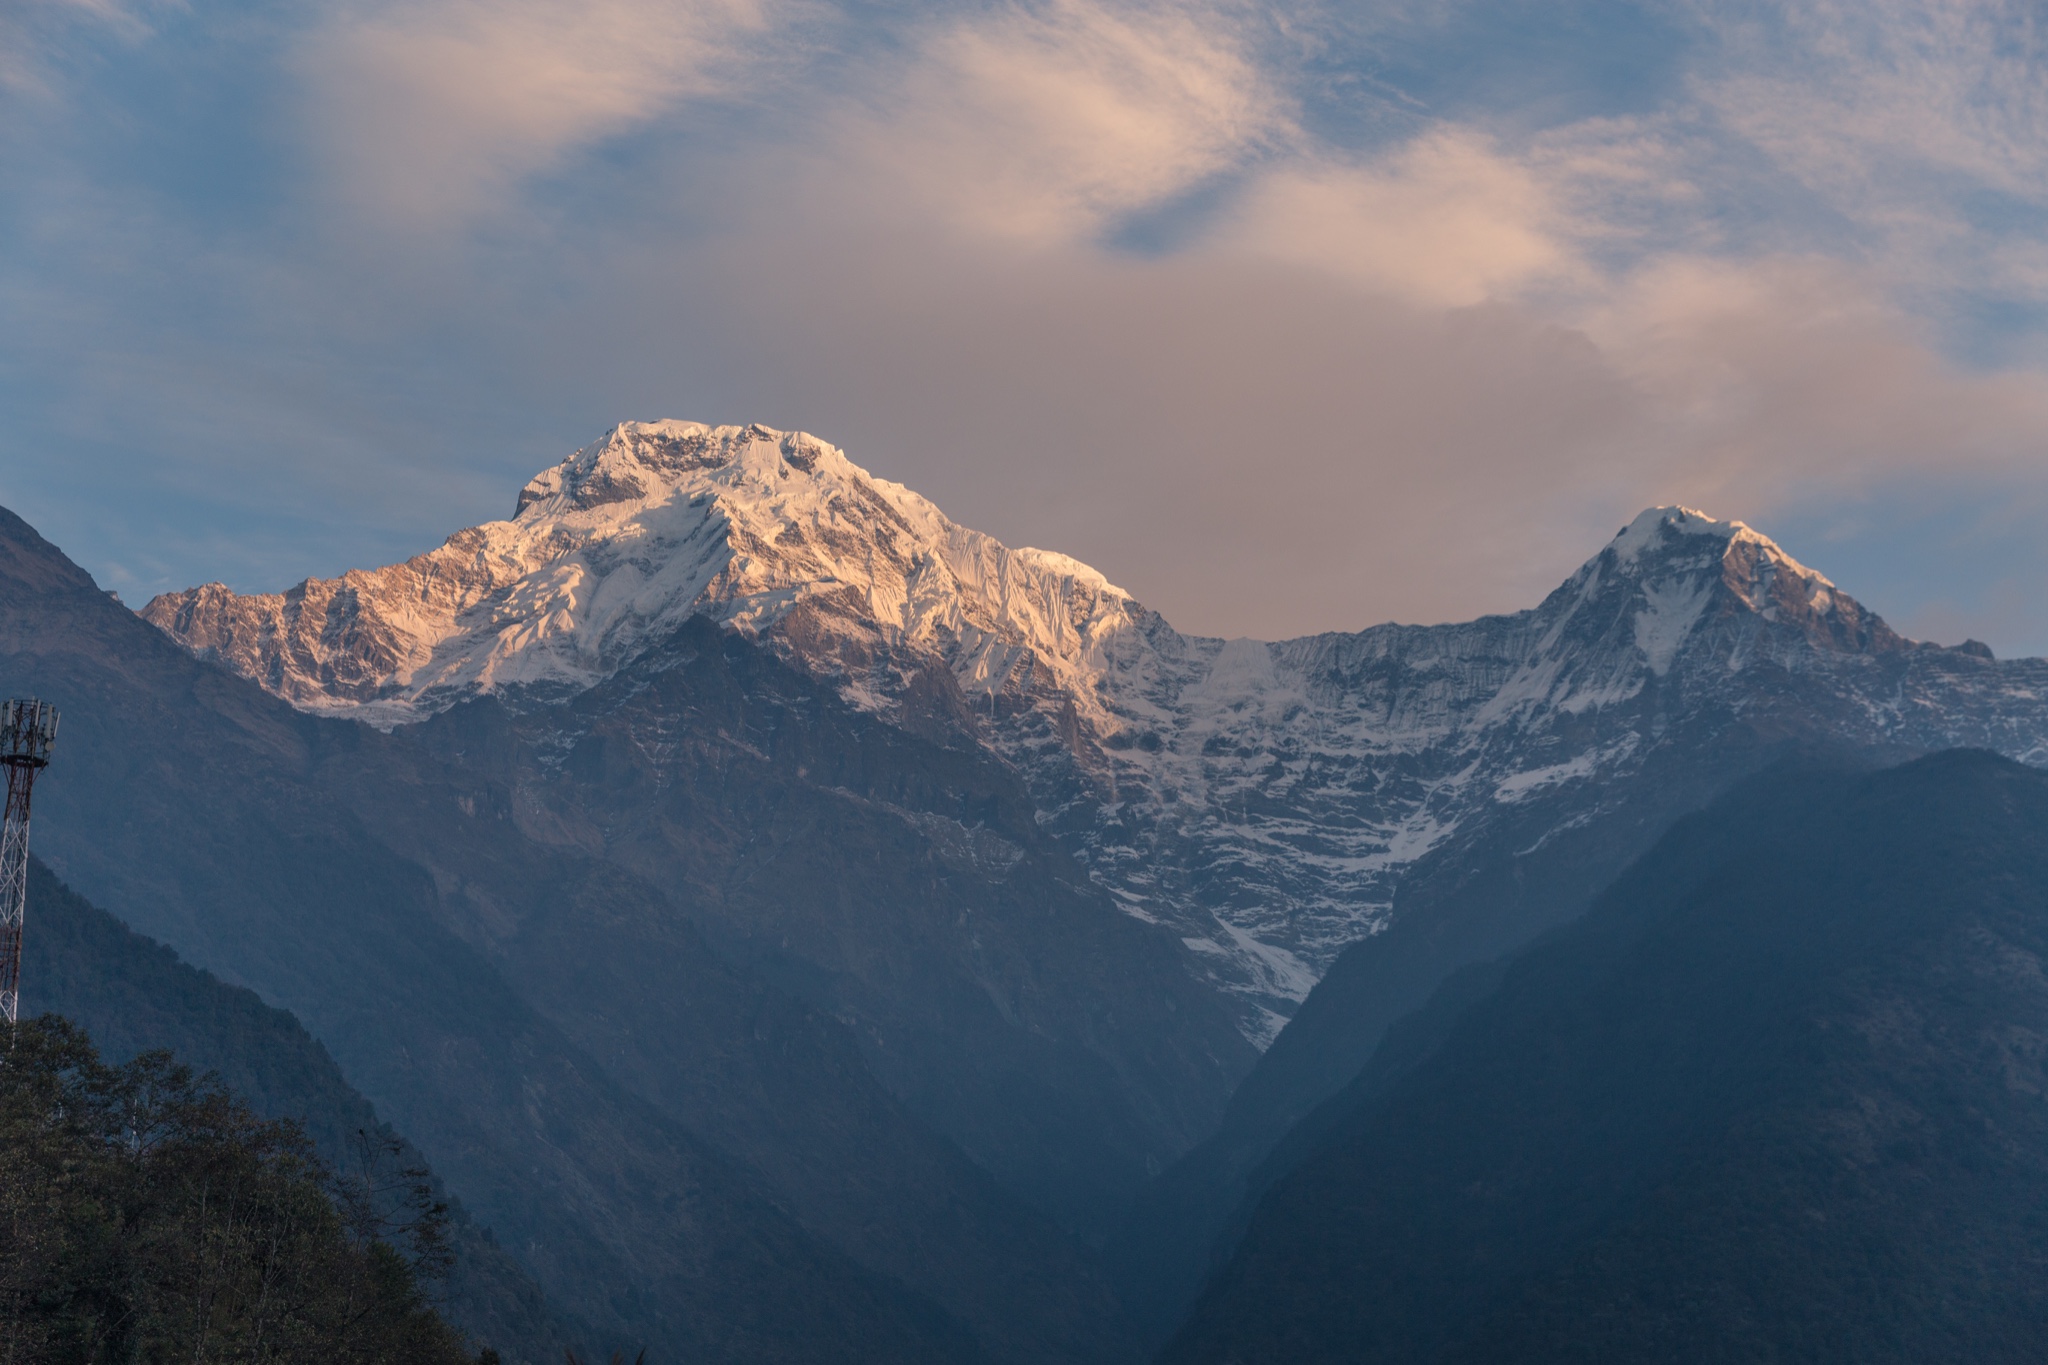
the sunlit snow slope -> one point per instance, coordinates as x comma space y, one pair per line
1264, 799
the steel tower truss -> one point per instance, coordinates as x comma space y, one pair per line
28, 728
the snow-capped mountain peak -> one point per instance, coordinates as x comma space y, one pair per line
1265, 800
1657, 526
1679, 556
613, 548
1661, 535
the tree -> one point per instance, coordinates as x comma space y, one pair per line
151, 1216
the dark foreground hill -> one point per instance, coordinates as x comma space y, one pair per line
1782, 1095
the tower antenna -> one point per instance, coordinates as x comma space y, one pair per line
28, 728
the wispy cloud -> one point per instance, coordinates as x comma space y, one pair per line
430, 110
1922, 123
1046, 122
1791, 378
1446, 219
32, 31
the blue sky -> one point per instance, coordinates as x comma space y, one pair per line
1288, 316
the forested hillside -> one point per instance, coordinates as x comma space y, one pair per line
152, 1216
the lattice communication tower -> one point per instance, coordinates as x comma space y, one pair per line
28, 729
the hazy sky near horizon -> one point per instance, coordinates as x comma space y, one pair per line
1287, 315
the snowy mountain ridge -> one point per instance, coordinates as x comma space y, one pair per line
1266, 800
621, 542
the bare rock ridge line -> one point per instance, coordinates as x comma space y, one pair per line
1263, 799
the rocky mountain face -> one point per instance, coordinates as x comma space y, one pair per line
1266, 802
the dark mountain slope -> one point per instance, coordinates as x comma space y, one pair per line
552, 943
188, 801
133, 995
901, 885
772, 1059
1524, 870
1780, 1095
